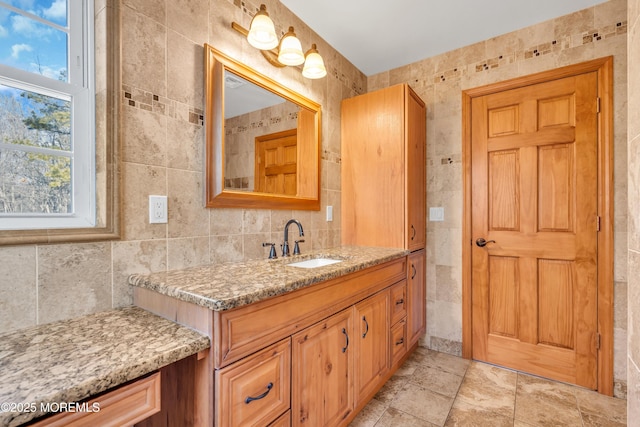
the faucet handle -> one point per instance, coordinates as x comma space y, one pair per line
296, 248
272, 251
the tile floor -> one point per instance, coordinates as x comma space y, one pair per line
437, 389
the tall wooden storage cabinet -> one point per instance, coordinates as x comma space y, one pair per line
384, 182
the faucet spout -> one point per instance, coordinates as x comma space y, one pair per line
285, 246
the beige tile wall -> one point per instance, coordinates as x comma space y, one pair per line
633, 397
162, 153
592, 33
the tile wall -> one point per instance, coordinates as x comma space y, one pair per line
633, 397
595, 32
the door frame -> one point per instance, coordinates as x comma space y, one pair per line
604, 69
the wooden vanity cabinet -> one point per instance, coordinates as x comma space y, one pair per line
335, 338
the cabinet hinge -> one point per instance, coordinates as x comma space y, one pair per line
598, 223
597, 104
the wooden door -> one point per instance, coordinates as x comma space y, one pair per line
372, 351
322, 372
276, 163
534, 199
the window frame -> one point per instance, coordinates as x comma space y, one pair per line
98, 220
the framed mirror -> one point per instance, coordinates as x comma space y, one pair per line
262, 140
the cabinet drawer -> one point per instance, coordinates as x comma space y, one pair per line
398, 301
123, 406
254, 390
283, 421
398, 341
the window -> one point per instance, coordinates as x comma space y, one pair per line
47, 115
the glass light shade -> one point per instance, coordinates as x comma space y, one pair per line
290, 49
262, 32
313, 64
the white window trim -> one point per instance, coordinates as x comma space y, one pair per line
80, 91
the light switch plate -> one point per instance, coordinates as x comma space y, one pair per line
157, 209
329, 213
436, 214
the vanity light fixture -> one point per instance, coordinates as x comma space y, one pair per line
288, 51
313, 64
262, 32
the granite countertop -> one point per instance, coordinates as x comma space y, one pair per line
70, 360
225, 286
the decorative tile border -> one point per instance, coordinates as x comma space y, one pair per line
144, 100
552, 46
290, 117
556, 45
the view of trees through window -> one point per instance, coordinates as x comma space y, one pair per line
35, 153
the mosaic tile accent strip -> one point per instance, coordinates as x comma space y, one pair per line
144, 100
331, 157
604, 33
291, 117
556, 45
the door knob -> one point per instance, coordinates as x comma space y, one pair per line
481, 242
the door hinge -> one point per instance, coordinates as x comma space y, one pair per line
597, 104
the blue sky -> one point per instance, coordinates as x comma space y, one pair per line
28, 44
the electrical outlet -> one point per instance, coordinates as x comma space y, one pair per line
329, 213
157, 209
436, 214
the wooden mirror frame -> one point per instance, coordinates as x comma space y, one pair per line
216, 195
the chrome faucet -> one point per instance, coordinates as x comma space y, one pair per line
285, 246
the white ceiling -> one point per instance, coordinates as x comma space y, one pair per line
379, 35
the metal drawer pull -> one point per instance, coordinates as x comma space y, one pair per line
400, 341
344, 349
413, 229
400, 301
262, 396
413, 267
366, 324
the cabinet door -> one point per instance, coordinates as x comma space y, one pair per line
416, 172
372, 338
373, 169
322, 372
416, 291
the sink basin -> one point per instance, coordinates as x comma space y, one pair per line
314, 263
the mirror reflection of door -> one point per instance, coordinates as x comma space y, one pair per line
276, 163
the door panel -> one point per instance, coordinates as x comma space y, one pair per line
276, 163
534, 199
